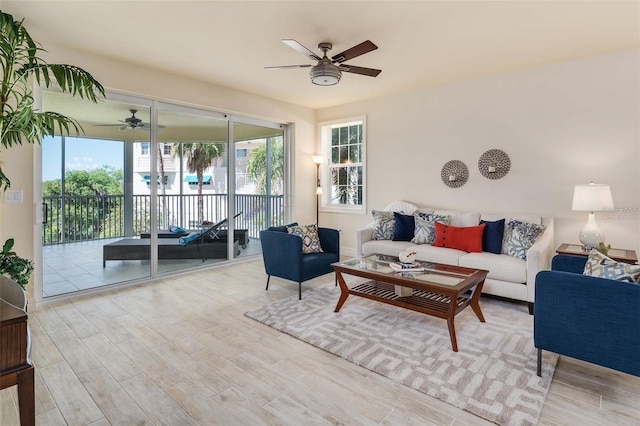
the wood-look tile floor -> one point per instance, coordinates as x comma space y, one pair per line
181, 352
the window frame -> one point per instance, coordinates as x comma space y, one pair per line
324, 137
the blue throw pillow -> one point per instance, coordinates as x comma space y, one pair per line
492, 236
404, 227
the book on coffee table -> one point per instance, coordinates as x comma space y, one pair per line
406, 267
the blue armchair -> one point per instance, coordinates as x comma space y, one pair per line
283, 258
587, 318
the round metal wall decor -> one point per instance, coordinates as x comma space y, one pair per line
454, 173
494, 164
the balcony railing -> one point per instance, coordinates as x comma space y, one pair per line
83, 218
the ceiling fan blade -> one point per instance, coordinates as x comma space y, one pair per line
361, 49
287, 66
300, 48
371, 72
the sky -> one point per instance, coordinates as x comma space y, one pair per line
80, 154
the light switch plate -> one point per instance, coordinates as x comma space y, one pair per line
13, 196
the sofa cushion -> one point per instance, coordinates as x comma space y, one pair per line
600, 265
531, 218
310, 238
390, 248
383, 225
429, 253
500, 266
404, 227
460, 218
425, 231
492, 236
468, 238
519, 237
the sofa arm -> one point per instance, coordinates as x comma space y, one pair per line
362, 236
539, 256
588, 318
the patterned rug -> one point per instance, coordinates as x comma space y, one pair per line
492, 376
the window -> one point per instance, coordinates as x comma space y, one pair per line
166, 149
343, 181
144, 148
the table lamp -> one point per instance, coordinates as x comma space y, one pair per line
592, 197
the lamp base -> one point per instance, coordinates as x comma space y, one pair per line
591, 235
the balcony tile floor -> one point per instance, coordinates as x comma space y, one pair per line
72, 267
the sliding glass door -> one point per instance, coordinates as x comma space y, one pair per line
152, 188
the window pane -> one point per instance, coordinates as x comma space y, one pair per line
344, 135
335, 155
354, 134
335, 137
354, 153
344, 154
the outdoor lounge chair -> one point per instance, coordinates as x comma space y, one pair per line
241, 234
200, 246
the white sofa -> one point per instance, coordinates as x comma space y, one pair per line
508, 276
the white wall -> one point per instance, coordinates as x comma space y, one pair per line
561, 125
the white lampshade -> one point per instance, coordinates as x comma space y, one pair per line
592, 197
317, 159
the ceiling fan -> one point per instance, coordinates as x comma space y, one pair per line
328, 71
131, 123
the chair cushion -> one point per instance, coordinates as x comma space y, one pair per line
309, 235
429, 253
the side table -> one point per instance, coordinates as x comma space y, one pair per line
621, 255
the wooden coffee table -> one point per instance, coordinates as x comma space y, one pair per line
440, 290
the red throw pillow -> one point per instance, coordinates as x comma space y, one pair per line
468, 238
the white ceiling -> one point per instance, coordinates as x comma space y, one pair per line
421, 43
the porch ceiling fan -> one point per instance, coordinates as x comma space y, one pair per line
328, 71
130, 123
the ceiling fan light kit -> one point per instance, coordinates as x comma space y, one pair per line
325, 74
328, 72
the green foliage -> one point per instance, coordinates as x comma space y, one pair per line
602, 248
19, 121
16, 267
92, 203
257, 168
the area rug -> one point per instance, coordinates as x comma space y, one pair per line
492, 376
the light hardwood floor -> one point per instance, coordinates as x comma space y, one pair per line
180, 352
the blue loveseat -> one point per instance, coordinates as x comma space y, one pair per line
283, 258
587, 318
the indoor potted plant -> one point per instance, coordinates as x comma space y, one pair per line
20, 121
14, 266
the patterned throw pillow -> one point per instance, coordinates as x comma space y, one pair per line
599, 265
384, 225
519, 237
309, 235
425, 231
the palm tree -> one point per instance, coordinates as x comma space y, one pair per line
199, 156
19, 121
257, 168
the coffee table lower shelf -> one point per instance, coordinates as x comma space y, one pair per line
434, 304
